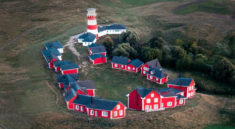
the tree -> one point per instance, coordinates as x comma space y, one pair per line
125, 49
157, 42
223, 69
184, 62
133, 39
108, 43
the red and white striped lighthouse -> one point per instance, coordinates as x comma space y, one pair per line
91, 22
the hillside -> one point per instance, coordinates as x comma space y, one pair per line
29, 97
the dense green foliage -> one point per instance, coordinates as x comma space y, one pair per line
182, 54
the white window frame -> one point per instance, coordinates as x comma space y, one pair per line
148, 101
152, 72
155, 106
77, 107
146, 107
145, 68
120, 112
91, 112
129, 67
169, 103
133, 68
81, 108
155, 100
181, 101
118, 106
152, 95
144, 72
115, 113
115, 65
104, 113
151, 77
122, 66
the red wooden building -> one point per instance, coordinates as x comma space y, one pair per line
66, 80
147, 100
98, 49
157, 75
69, 69
143, 99
58, 63
70, 96
97, 59
51, 55
134, 65
119, 62
82, 87
148, 65
96, 107
185, 84
89, 86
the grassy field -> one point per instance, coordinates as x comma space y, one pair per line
210, 6
29, 97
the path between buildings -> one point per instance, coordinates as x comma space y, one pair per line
70, 44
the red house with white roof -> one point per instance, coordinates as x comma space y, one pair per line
148, 65
184, 84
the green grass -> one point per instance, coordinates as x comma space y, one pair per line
132, 3
216, 126
211, 6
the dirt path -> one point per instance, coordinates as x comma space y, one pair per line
70, 43
52, 89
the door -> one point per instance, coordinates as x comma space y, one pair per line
96, 113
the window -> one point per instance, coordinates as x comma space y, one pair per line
104, 113
129, 68
120, 112
77, 107
133, 68
151, 77
156, 106
95, 113
146, 107
81, 108
144, 72
115, 113
118, 106
181, 101
92, 112
152, 72
169, 103
152, 95
148, 100
145, 68
156, 79
189, 88
122, 66
115, 65
155, 100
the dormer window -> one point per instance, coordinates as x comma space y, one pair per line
118, 106
152, 72
152, 95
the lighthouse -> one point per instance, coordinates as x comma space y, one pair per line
91, 21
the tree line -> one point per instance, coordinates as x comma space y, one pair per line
181, 54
